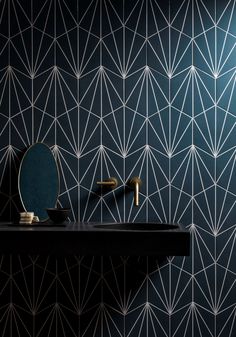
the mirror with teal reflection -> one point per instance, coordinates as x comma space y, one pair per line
38, 180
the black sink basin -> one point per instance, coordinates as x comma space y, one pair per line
138, 226
143, 238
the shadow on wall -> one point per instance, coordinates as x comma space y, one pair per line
9, 196
129, 277
78, 293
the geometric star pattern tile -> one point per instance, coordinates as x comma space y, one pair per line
123, 88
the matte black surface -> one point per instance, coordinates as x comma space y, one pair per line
94, 239
138, 226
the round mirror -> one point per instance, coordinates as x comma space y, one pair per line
38, 180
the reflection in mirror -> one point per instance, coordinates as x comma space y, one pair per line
38, 180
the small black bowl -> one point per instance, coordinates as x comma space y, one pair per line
58, 215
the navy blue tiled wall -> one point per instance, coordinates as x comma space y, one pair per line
123, 88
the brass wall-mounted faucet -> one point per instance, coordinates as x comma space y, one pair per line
135, 183
110, 182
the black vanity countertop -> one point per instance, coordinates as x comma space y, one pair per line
86, 239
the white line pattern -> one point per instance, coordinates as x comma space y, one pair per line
123, 88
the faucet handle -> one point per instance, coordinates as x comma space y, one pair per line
110, 182
135, 180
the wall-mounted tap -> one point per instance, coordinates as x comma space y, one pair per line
135, 183
110, 182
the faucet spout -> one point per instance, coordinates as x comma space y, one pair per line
135, 183
136, 194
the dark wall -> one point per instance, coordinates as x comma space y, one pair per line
123, 88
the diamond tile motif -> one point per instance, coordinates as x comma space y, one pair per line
123, 88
